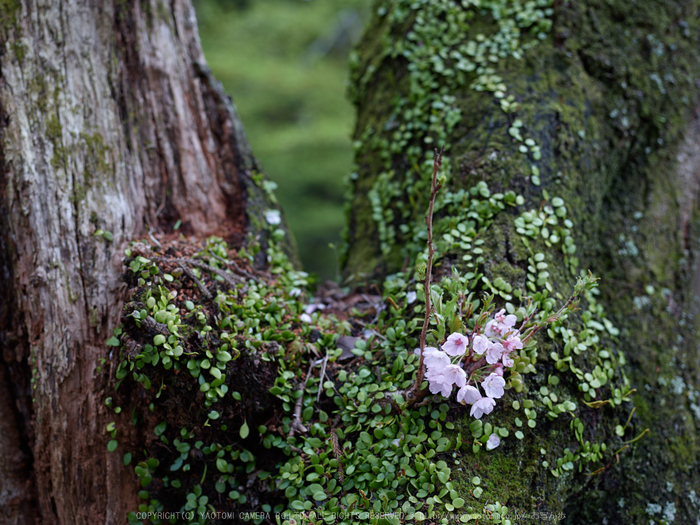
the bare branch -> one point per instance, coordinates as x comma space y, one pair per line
434, 188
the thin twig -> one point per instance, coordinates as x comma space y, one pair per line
582, 285
152, 324
474, 366
323, 373
231, 280
188, 271
297, 424
422, 403
532, 331
338, 452
235, 266
155, 241
434, 188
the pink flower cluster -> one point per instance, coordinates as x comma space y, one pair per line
499, 340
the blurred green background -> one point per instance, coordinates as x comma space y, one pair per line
285, 64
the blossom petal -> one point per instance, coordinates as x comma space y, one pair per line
455, 375
493, 354
481, 344
482, 406
493, 442
492, 329
493, 385
456, 344
468, 394
507, 361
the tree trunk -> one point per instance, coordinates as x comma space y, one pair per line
609, 98
112, 126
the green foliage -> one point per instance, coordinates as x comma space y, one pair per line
184, 348
346, 441
379, 455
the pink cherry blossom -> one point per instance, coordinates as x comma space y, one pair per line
438, 384
468, 394
493, 329
456, 375
311, 308
436, 373
456, 344
434, 358
481, 344
426, 350
493, 355
493, 385
432, 373
482, 406
506, 321
513, 342
507, 361
493, 442
442, 381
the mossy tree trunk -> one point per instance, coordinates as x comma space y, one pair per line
589, 111
112, 126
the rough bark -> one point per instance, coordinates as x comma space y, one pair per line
111, 122
611, 98
15, 491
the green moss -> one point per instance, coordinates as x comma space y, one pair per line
9, 11
54, 132
43, 94
179, 353
403, 110
97, 166
559, 94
